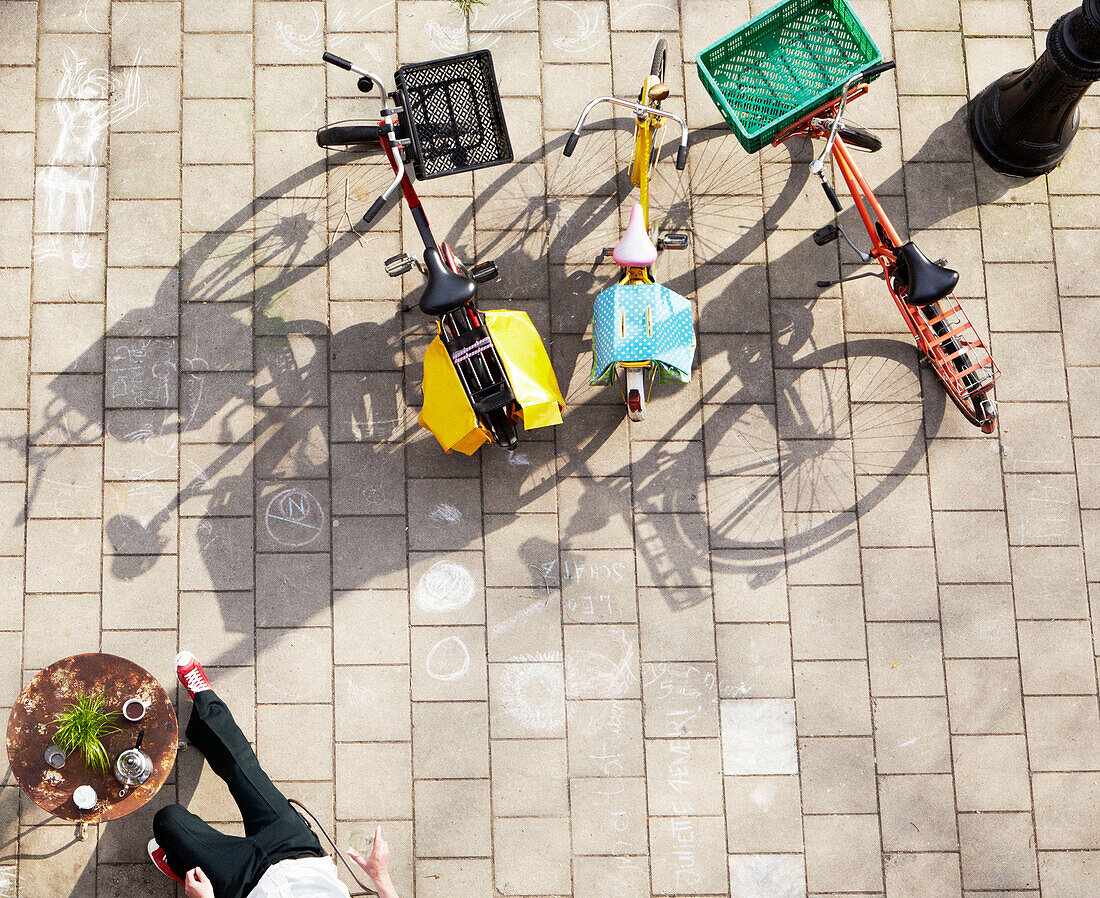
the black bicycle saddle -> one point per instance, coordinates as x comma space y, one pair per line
446, 291
928, 282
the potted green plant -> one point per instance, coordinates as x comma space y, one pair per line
82, 726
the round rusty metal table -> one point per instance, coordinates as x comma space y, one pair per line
31, 729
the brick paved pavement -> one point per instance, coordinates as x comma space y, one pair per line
803, 630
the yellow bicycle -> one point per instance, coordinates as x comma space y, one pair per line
638, 325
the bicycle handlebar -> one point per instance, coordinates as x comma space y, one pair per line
638, 109
338, 61
876, 69
387, 130
855, 79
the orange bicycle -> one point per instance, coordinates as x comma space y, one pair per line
922, 289
791, 72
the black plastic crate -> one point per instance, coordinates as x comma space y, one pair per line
453, 115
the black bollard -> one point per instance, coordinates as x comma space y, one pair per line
1024, 122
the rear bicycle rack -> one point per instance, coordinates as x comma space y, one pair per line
966, 380
462, 350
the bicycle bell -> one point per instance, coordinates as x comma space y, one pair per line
133, 767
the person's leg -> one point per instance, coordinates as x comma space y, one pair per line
214, 732
268, 817
233, 864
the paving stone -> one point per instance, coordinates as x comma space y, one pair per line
1063, 733
377, 775
978, 621
827, 623
767, 816
531, 855
832, 698
288, 663
843, 851
285, 734
984, 696
448, 663
594, 876
605, 738
917, 812
1055, 657
998, 851
991, 773
529, 778
933, 874
905, 659
447, 744
680, 776
754, 660
223, 623
1065, 810
680, 859
963, 559
911, 735
896, 585
675, 625
1042, 510
837, 776
1066, 873
522, 626
758, 737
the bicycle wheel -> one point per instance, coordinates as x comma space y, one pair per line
503, 431
859, 137
660, 57
656, 70
347, 136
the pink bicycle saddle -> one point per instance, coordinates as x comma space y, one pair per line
635, 250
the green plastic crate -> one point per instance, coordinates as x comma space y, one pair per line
783, 65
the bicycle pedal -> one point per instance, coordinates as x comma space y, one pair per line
673, 240
398, 265
486, 271
826, 234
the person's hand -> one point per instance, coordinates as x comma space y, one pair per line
198, 884
377, 864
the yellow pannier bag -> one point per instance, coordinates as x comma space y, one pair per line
447, 412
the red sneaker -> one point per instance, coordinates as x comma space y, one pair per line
156, 854
191, 674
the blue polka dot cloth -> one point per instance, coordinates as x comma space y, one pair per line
642, 323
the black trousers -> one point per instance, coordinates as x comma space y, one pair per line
274, 831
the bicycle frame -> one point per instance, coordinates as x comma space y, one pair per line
943, 331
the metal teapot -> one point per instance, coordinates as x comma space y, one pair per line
133, 767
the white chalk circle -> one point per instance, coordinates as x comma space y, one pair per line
448, 660
294, 518
445, 586
533, 694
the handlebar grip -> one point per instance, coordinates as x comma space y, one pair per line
681, 157
571, 143
373, 211
338, 61
878, 69
831, 194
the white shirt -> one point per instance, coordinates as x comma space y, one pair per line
302, 877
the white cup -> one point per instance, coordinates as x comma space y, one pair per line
133, 709
85, 798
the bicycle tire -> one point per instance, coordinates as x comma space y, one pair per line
342, 136
503, 431
859, 137
660, 56
657, 67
